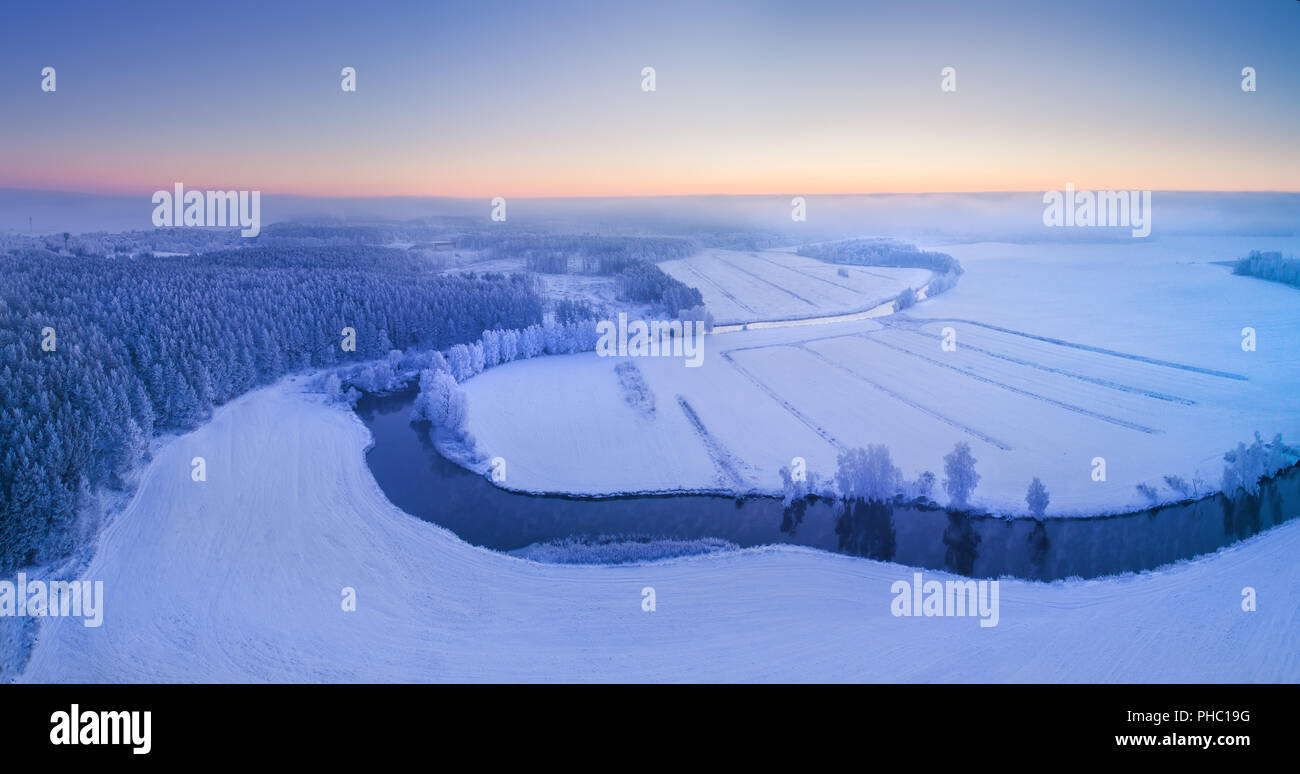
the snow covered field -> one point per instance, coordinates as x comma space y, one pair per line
1127, 351
239, 578
779, 285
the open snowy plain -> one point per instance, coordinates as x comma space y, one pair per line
1127, 351
759, 285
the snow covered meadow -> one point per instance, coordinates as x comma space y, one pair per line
1064, 353
765, 285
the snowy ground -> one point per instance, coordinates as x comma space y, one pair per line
239, 578
778, 285
1127, 351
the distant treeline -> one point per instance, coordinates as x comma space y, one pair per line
97, 355
204, 240
99, 243
604, 255
886, 252
1270, 266
742, 240
881, 252
629, 259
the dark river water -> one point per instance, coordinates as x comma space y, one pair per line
420, 481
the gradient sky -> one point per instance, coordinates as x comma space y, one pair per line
540, 98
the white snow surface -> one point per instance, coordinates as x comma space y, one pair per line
1131, 352
239, 578
756, 285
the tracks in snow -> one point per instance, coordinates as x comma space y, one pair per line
1004, 446
1027, 393
723, 460
1089, 348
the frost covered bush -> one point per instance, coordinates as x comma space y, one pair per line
792, 489
619, 550
921, 488
1246, 465
636, 392
1180, 486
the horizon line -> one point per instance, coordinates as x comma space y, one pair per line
530, 197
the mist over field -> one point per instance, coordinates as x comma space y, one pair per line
965, 217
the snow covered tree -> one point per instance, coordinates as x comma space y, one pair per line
509, 345
459, 362
441, 402
491, 341
332, 387
959, 467
532, 341
1037, 498
867, 474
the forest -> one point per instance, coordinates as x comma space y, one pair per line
99, 355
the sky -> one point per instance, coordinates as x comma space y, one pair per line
545, 99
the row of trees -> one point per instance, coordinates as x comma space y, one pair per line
870, 475
1270, 266
881, 252
441, 400
604, 255
97, 356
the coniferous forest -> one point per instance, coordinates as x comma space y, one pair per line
98, 355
